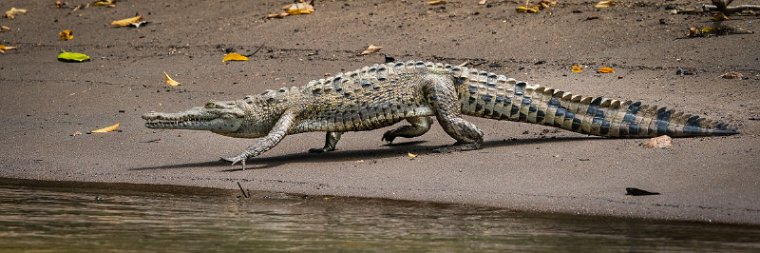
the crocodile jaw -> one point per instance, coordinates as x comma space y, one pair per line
197, 118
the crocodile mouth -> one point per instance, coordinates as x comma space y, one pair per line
178, 120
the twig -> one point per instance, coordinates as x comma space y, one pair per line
241, 189
256, 51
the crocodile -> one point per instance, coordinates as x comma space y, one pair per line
384, 94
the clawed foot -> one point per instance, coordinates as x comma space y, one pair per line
459, 146
389, 136
238, 159
320, 150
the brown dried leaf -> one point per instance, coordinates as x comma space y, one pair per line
109, 3
11, 14
371, 49
658, 142
171, 82
732, 75
4, 28
482, 2
299, 8
606, 70
604, 4
436, 2
576, 68
4, 48
66, 35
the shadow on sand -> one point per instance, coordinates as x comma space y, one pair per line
389, 150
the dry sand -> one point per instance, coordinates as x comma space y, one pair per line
522, 167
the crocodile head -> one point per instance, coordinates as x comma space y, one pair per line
221, 117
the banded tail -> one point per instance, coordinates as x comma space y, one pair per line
493, 96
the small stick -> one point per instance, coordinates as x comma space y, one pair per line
241, 189
256, 51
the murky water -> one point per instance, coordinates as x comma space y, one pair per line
56, 220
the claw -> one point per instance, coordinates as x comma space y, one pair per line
235, 160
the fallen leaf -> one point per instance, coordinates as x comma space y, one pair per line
4, 28
371, 49
436, 2
77, 133
59, 4
411, 155
107, 129
4, 48
604, 4
126, 21
658, 142
299, 8
528, 8
605, 70
278, 15
732, 75
11, 14
73, 56
66, 35
545, 4
482, 2
109, 3
234, 57
170, 81
576, 68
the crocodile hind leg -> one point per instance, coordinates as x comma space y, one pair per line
419, 126
331, 139
441, 94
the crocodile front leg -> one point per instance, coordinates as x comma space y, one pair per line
267, 142
331, 139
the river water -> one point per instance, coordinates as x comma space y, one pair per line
34, 219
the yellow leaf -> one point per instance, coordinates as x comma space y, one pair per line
109, 3
299, 8
126, 21
107, 129
11, 14
436, 2
4, 48
170, 81
371, 49
606, 70
411, 155
66, 35
576, 68
527, 8
604, 4
234, 57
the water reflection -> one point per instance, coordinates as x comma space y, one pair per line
36, 219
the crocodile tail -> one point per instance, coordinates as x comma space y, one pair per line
599, 116
613, 118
